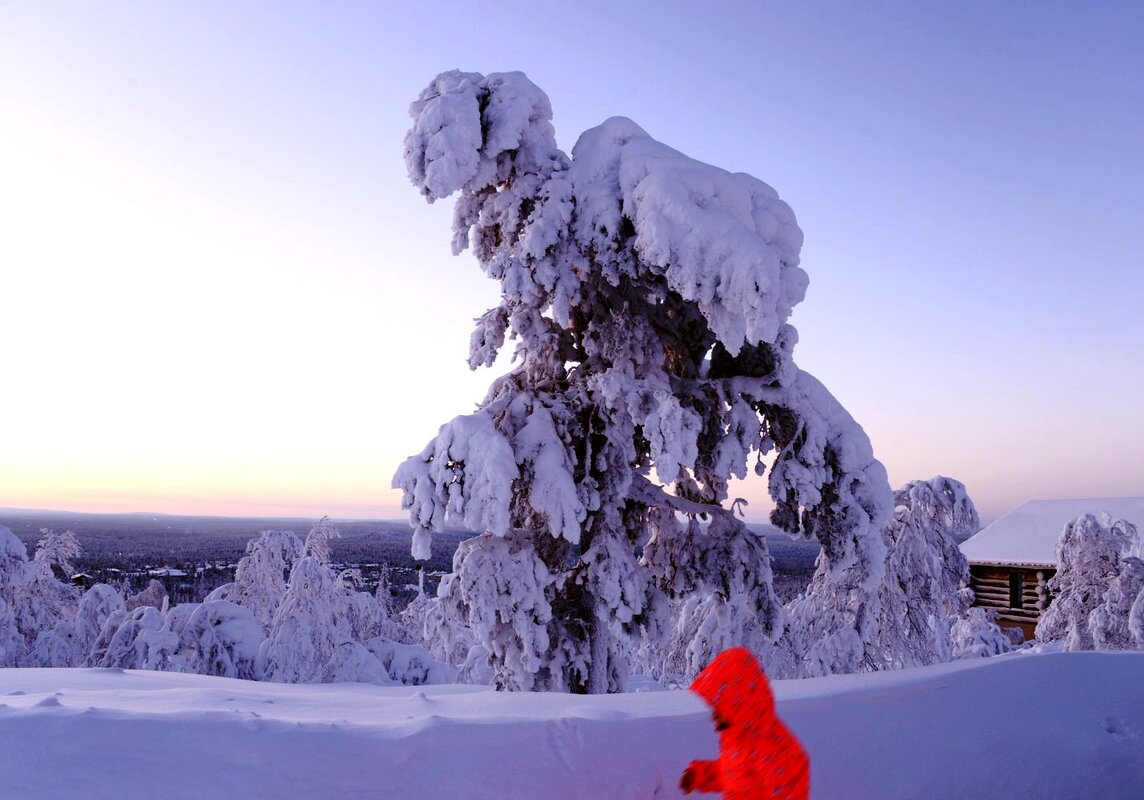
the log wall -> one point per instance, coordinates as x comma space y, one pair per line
991, 589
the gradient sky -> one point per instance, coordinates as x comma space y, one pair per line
220, 294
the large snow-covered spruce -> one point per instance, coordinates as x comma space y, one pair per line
648, 296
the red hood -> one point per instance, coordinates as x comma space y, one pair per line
735, 686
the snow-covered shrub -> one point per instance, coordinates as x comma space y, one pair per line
647, 294
143, 641
975, 634
1088, 561
219, 638
352, 662
409, 664
59, 647
475, 669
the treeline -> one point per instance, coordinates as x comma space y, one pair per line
133, 544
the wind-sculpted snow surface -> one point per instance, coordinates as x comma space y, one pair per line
648, 296
964, 730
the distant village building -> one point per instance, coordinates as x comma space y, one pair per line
1011, 560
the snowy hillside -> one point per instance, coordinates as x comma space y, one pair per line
1045, 726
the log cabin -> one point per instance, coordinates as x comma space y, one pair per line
1012, 559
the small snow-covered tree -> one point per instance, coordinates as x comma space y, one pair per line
308, 625
57, 551
318, 540
1136, 621
261, 575
107, 633
648, 295
32, 601
1088, 561
390, 622
926, 586
1109, 622
154, 594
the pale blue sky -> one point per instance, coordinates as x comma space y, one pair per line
220, 293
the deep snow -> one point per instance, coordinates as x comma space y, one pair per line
1045, 726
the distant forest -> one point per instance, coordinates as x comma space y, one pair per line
127, 547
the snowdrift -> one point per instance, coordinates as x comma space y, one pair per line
1044, 726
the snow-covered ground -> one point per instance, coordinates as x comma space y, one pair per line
1029, 726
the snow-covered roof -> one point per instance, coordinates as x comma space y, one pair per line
167, 572
1028, 534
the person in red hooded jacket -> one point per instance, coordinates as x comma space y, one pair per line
759, 758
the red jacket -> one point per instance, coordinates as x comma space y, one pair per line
759, 758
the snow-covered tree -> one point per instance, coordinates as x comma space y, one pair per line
975, 634
1088, 562
58, 647
318, 540
1136, 621
142, 641
32, 601
714, 581
107, 633
154, 594
97, 605
648, 295
57, 551
926, 586
1109, 622
261, 575
307, 627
